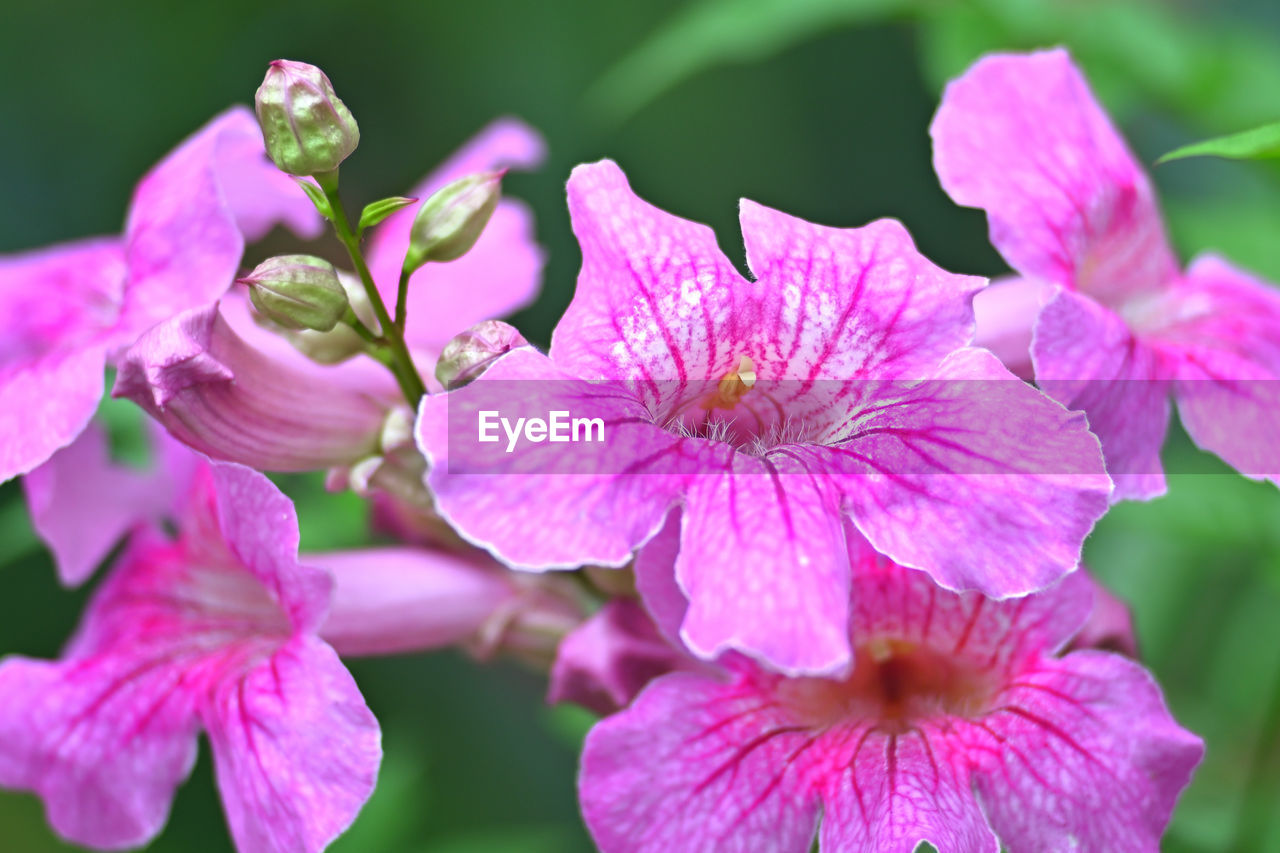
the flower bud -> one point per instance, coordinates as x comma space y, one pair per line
297, 292
449, 223
470, 353
306, 127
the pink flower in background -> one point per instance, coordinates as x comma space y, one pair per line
67, 310
959, 725
1118, 326
236, 391
213, 630
836, 385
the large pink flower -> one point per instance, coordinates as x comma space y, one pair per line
236, 391
835, 384
67, 310
1118, 326
213, 630
959, 725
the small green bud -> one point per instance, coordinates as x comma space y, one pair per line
376, 211
297, 292
470, 353
306, 127
449, 223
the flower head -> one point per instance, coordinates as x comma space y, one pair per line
1117, 325
837, 386
215, 629
959, 725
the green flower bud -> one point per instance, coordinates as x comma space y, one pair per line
470, 353
449, 223
306, 127
297, 292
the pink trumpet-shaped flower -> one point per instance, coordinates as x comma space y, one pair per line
213, 630
236, 391
837, 383
959, 725
67, 310
1118, 326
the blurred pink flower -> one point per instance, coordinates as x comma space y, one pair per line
959, 724
836, 386
1117, 325
67, 310
230, 388
214, 630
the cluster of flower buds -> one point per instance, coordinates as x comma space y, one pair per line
825, 552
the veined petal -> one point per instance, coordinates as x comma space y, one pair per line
1022, 137
844, 303
104, 741
939, 475
764, 563
550, 505
295, 747
500, 274
1087, 358
700, 766
222, 397
656, 298
1088, 757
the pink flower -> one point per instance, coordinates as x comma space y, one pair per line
67, 310
236, 391
837, 386
958, 725
1118, 326
213, 630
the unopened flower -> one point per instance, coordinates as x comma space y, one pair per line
450, 222
306, 127
837, 387
959, 725
68, 310
297, 292
215, 630
467, 355
1118, 326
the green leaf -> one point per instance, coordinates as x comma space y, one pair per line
1261, 143
317, 197
376, 211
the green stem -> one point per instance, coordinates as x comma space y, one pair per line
402, 300
405, 372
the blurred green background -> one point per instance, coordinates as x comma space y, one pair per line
818, 107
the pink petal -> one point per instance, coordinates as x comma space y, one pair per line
1088, 757
696, 765
973, 476
219, 395
1222, 331
549, 505
656, 299
856, 302
184, 233
1023, 137
45, 403
1006, 313
500, 274
296, 750
390, 600
104, 742
606, 661
82, 505
260, 528
1087, 358
655, 573
895, 791
1110, 623
764, 563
